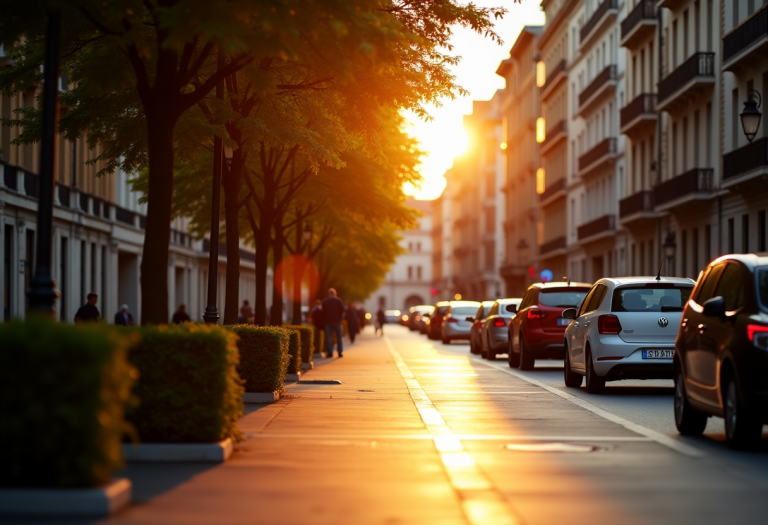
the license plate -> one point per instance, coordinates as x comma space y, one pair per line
562, 321
658, 354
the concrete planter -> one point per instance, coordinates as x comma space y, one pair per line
90, 502
307, 366
293, 377
178, 452
261, 397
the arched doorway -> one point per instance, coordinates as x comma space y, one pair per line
413, 300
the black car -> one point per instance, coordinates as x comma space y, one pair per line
721, 351
435, 328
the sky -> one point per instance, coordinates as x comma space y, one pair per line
443, 138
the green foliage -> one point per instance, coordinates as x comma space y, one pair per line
264, 357
307, 333
63, 392
294, 348
188, 388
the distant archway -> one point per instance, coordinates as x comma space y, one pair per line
413, 300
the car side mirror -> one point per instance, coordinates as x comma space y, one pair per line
470, 319
569, 313
715, 307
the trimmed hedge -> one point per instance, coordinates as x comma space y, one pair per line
294, 348
264, 356
307, 341
188, 388
63, 392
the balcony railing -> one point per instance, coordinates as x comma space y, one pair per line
64, 193
31, 184
555, 131
636, 203
10, 179
644, 104
605, 76
602, 224
644, 10
123, 215
552, 75
697, 65
751, 30
603, 149
551, 189
601, 10
745, 159
550, 246
697, 180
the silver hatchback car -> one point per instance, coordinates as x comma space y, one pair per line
455, 324
624, 329
494, 333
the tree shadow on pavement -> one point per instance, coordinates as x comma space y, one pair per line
153, 479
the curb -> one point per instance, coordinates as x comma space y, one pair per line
261, 397
178, 452
293, 377
94, 502
307, 366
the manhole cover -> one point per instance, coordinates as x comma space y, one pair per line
549, 447
365, 390
319, 382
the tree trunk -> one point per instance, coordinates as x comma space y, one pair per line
154, 262
231, 184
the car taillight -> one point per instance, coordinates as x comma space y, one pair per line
417, 318
451, 320
758, 335
498, 323
608, 324
535, 313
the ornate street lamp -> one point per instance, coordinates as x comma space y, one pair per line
669, 246
307, 232
750, 117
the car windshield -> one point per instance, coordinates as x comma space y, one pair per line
464, 310
650, 298
563, 298
762, 285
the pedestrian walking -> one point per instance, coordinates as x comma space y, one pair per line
353, 322
124, 317
246, 313
180, 316
333, 310
316, 317
381, 318
88, 313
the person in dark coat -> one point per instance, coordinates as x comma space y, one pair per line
181, 316
88, 313
124, 317
381, 318
353, 322
317, 316
333, 309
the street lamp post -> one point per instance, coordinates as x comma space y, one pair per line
750, 117
42, 292
211, 315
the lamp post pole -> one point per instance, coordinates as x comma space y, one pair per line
211, 315
42, 292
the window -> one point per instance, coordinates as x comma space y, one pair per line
650, 298
761, 231
597, 297
562, 297
63, 281
731, 288
685, 34
707, 243
418, 272
8, 282
745, 233
418, 246
410, 272
410, 246
29, 264
695, 251
735, 118
684, 253
731, 240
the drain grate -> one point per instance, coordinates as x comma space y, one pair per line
549, 447
319, 382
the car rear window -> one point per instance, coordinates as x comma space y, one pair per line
441, 310
565, 298
650, 299
464, 310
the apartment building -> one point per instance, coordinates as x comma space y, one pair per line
520, 163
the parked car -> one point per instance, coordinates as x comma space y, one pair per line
477, 321
435, 327
455, 324
624, 329
721, 351
494, 332
537, 331
392, 316
416, 313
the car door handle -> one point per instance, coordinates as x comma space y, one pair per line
702, 328
684, 323
586, 323
575, 323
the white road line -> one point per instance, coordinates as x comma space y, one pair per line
460, 437
658, 437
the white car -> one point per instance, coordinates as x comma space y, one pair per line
624, 329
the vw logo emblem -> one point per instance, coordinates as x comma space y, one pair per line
663, 321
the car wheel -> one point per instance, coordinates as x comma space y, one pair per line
527, 361
595, 383
512, 358
570, 377
446, 340
742, 428
688, 420
472, 345
491, 353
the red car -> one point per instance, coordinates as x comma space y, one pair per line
538, 329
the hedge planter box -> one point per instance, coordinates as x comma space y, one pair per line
94, 502
307, 366
264, 358
293, 377
178, 452
261, 398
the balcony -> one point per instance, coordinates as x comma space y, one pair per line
639, 115
558, 73
693, 76
604, 15
746, 164
553, 136
746, 42
693, 185
637, 207
639, 24
601, 155
554, 247
597, 229
552, 192
603, 84
670, 4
